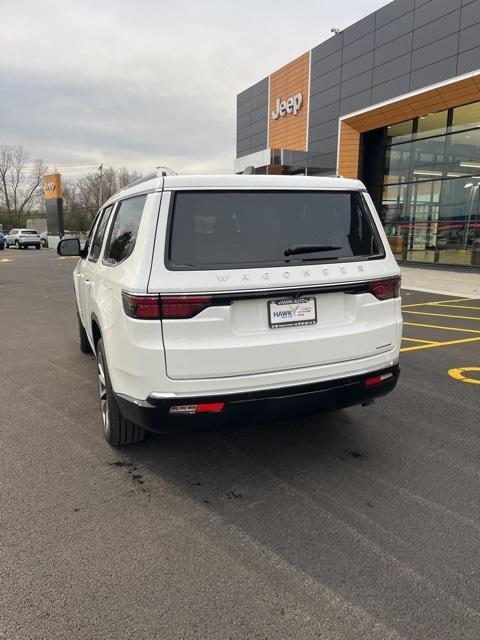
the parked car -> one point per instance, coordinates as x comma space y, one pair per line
206, 298
67, 234
23, 238
2, 241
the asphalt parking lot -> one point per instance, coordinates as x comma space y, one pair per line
357, 525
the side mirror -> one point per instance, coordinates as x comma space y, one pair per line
69, 247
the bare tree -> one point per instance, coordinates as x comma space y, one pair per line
5, 166
20, 180
84, 193
81, 196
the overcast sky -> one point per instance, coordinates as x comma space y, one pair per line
146, 83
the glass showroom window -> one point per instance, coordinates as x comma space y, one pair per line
431, 187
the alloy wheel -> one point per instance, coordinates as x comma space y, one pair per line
102, 390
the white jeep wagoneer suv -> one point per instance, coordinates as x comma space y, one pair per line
210, 297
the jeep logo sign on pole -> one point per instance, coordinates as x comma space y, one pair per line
52, 192
52, 186
290, 105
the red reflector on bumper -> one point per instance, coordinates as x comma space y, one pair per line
374, 380
210, 407
203, 407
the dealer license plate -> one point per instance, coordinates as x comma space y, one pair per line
292, 312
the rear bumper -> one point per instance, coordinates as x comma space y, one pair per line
153, 414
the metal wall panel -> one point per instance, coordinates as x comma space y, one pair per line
395, 29
470, 14
356, 102
356, 84
327, 47
393, 69
392, 11
358, 30
252, 118
390, 51
357, 66
330, 112
434, 52
468, 61
469, 38
326, 145
436, 30
324, 130
433, 10
327, 64
358, 48
433, 73
391, 89
326, 81
325, 98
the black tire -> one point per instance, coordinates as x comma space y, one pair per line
116, 429
38, 246
84, 343
2, 247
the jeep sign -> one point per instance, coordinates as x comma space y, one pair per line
290, 105
52, 186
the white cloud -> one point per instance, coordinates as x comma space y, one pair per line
146, 83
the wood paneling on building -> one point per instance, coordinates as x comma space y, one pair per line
289, 131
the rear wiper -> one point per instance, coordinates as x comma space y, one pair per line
310, 248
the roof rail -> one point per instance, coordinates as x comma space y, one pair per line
160, 172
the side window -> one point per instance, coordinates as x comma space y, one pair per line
99, 233
123, 233
86, 248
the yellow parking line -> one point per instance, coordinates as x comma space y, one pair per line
458, 374
439, 344
442, 315
423, 304
418, 340
6, 260
434, 326
458, 306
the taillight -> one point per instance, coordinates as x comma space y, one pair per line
386, 288
163, 307
202, 407
175, 307
142, 307
375, 380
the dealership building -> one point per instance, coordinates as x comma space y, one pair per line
393, 100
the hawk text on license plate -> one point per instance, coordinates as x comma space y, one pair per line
292, 312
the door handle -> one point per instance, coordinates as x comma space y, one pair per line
88, 283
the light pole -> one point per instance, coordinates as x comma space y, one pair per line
100, 177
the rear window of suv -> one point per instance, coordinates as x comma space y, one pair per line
28, 232
235, 229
